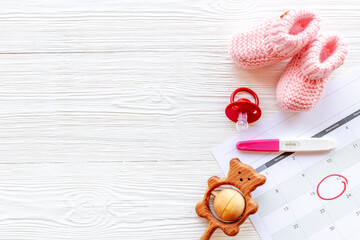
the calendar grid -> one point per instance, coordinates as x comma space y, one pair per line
324, 207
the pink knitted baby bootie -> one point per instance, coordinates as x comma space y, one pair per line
274, 40
306, 75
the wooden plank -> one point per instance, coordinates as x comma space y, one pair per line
104, 107
126, 200
138, 26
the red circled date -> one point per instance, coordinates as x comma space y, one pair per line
332, 175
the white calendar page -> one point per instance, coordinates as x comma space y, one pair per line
308, 195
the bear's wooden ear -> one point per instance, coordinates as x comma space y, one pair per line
234, 161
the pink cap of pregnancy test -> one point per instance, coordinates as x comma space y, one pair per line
271, 145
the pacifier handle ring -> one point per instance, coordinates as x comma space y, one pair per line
244, 89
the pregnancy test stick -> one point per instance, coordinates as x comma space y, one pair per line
287, 145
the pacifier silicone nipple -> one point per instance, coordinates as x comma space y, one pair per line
243, 111
242, 122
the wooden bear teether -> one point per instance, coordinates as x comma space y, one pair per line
229, 204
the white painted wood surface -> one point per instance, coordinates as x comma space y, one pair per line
109, 109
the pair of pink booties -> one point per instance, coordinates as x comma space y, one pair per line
295, 34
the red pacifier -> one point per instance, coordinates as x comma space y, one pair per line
243, 111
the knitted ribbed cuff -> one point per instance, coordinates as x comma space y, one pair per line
285, 40
324, 55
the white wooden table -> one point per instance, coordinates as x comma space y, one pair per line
109, 109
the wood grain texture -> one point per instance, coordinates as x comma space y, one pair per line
246, 180
109, 109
